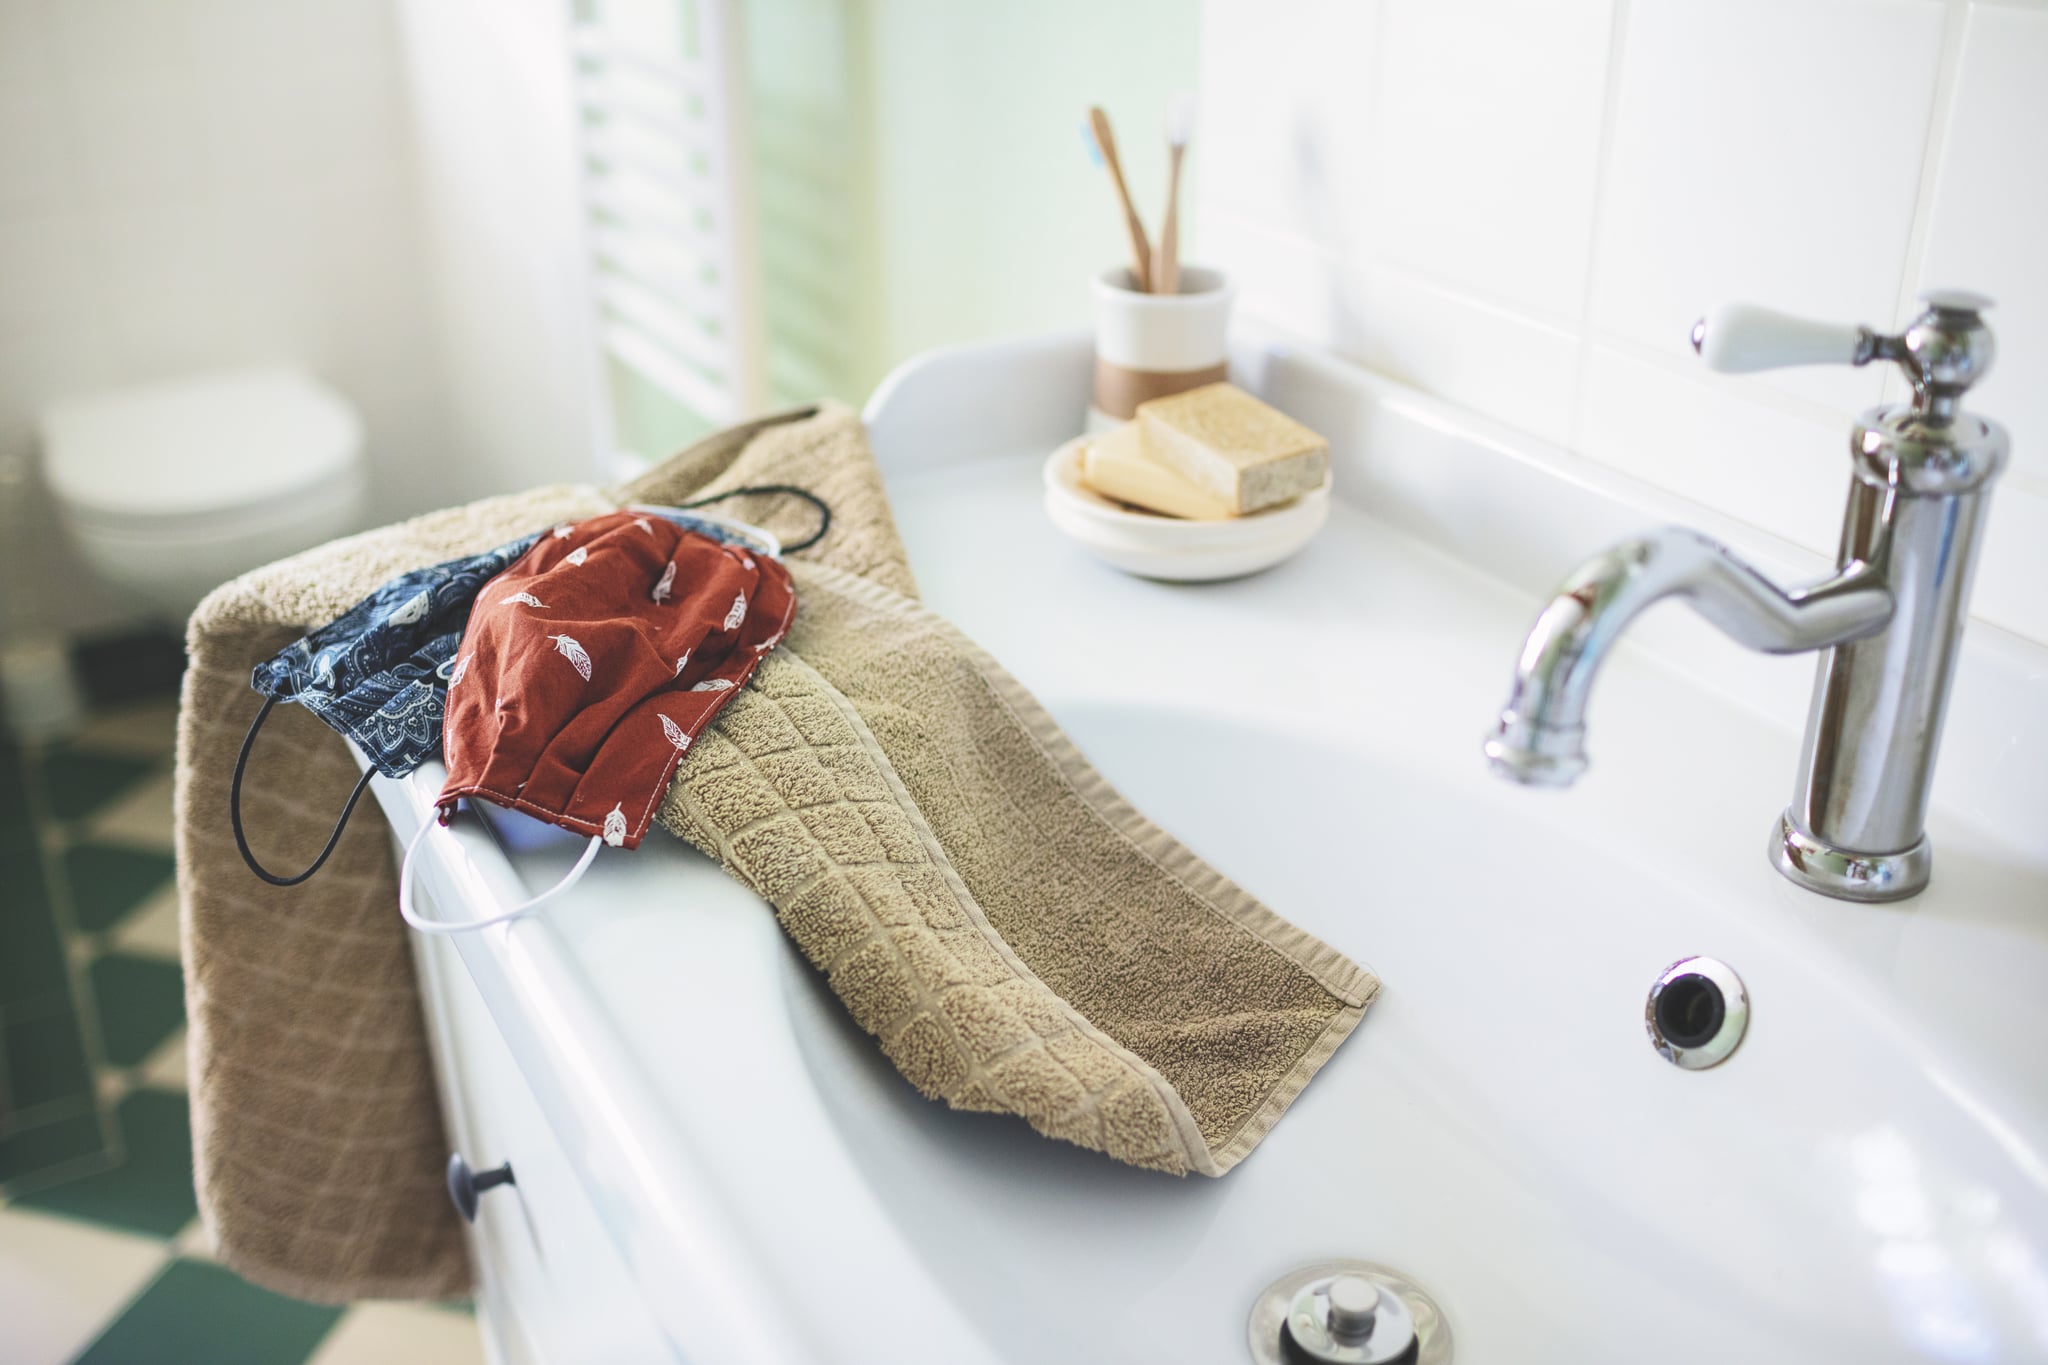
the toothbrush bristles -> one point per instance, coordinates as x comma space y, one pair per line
1094, 148
1180, 120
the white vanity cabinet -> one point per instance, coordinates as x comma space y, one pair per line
551, 1286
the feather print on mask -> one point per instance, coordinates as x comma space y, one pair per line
574, 653
528, 598
564, 531
644, 524
412, 613
461, 667
640, 624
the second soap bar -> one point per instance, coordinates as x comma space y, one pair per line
1234, 447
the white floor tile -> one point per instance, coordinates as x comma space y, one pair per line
61, 1282
401, 1334
113, 1086
164, 1069
195, 1243
141, 817
151, 930
144, 728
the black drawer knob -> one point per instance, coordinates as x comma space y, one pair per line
464, 1185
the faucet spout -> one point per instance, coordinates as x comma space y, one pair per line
1540, 738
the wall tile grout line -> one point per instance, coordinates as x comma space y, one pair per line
1610, 105
1824, 157
1940, 111
1762, 396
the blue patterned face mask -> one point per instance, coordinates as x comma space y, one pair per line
378, 674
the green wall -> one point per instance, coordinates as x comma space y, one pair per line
921, 178
991, 216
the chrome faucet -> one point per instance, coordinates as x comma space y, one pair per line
1888, 622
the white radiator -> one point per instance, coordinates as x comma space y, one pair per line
662, 96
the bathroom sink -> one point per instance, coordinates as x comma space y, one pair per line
1502, 1131
1865, 1178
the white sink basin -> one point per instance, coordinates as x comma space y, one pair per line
1502, 1130
1865, 1179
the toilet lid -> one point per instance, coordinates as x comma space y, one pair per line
211, 443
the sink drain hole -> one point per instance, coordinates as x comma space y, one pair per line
1696, 1013
1690, 1010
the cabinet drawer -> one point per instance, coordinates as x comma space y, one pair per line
552, 1288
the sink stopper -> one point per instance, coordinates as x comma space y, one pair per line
1348, 1313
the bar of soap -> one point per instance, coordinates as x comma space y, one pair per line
1232, 446
1118, 465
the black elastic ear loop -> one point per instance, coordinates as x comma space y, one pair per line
235, 808
824, 512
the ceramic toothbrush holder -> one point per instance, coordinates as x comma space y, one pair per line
1150, 345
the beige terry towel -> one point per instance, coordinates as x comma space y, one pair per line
1018, 938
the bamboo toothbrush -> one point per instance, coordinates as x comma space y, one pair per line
1180, 122
1141, 249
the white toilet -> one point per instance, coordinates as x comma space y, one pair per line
171, 489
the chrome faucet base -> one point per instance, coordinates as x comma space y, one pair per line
1536, 755
1811, 862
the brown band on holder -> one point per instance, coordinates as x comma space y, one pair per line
1118, 390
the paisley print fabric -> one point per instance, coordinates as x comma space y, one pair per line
379, 672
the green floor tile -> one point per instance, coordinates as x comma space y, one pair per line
80, 781
46, 1059
31, 952
34, 1152
109, 881
202, 1313
130, 665
141, 1002
150, 1191
17, 831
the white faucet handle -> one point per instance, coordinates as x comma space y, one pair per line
1943, 350
1737, 338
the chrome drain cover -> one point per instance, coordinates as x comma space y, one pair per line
1345, 1312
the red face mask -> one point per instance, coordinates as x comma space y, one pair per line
590, 666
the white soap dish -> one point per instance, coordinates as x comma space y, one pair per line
1170, 548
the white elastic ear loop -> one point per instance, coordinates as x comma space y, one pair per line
434, 926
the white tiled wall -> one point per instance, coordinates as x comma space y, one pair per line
195, 183
503, 256
1523, 207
